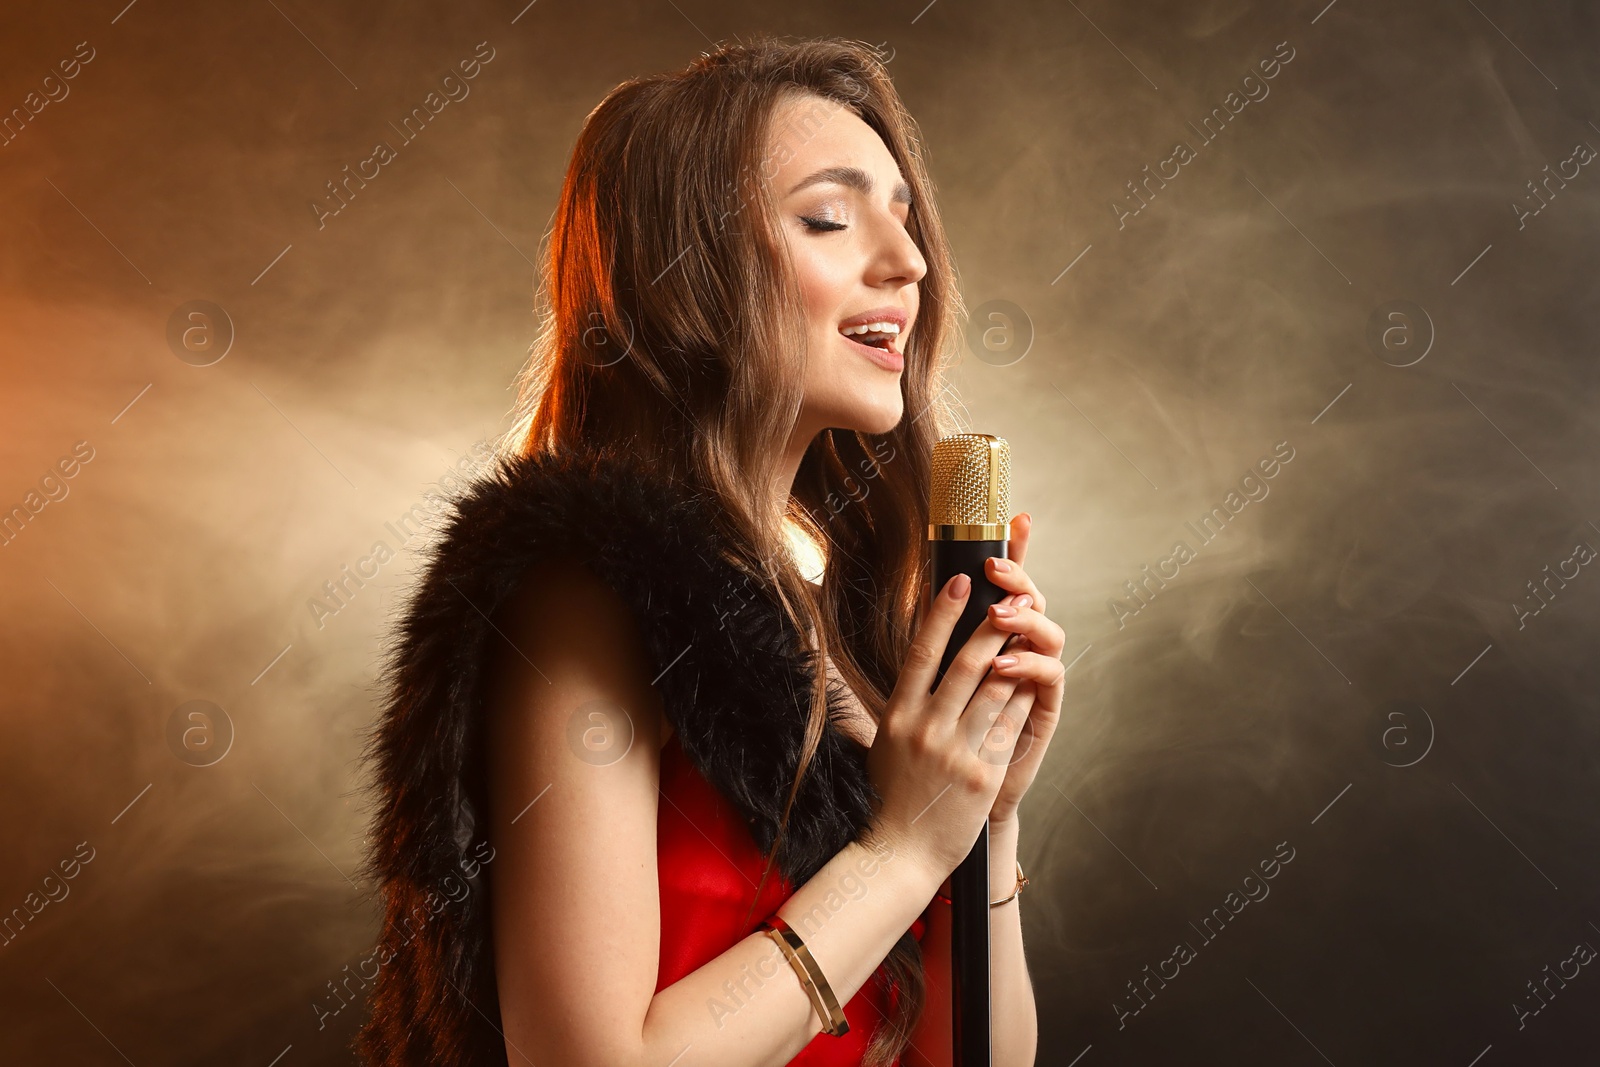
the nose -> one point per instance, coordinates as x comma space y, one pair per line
897, 259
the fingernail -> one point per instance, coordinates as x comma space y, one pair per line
1001, 565
1004, 611
958, 586
1005, 661
1024, 600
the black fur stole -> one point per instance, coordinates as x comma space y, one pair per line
734, 680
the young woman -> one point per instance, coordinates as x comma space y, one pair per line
662, 775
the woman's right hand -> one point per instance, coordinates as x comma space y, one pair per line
939, 758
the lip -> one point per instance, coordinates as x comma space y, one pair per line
883, 314
888, 358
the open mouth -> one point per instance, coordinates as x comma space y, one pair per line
881, 335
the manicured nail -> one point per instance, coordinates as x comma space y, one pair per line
1024, 600
1004, 611
1005, 661
1001, 565
957, 587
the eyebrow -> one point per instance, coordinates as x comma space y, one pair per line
855, 178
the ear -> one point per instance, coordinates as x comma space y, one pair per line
1021, 527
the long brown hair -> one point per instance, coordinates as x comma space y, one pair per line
673, 328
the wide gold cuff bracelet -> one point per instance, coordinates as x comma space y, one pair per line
811, 978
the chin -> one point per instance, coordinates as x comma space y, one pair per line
880, 419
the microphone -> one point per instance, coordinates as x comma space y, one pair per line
968, 522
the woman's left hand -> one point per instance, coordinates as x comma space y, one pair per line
1037, 653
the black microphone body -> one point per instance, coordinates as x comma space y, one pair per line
969, 882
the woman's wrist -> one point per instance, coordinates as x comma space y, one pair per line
917, 863
914, 871
1003, 857
1003, 866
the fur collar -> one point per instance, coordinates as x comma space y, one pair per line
734, 677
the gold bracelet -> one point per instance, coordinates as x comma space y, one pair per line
1022, 880
811, 978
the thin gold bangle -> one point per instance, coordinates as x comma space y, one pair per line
1022, 880
811, 977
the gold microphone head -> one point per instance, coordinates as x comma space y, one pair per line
971, 498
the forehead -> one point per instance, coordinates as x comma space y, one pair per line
809, 132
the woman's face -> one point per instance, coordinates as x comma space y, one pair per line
843, 205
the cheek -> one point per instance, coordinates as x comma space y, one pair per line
824, 284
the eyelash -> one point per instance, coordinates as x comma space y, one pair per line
817, 225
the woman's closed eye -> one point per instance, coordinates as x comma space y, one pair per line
820, 225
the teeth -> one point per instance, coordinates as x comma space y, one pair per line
890, 328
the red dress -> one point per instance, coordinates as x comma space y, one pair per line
709, 867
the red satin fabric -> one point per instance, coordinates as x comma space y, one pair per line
709, 867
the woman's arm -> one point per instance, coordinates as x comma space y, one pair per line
1014, 1033
575, 898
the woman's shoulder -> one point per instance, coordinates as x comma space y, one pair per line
574, 628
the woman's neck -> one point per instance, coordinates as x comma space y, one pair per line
807, 555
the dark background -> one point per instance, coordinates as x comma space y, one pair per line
1343, 669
